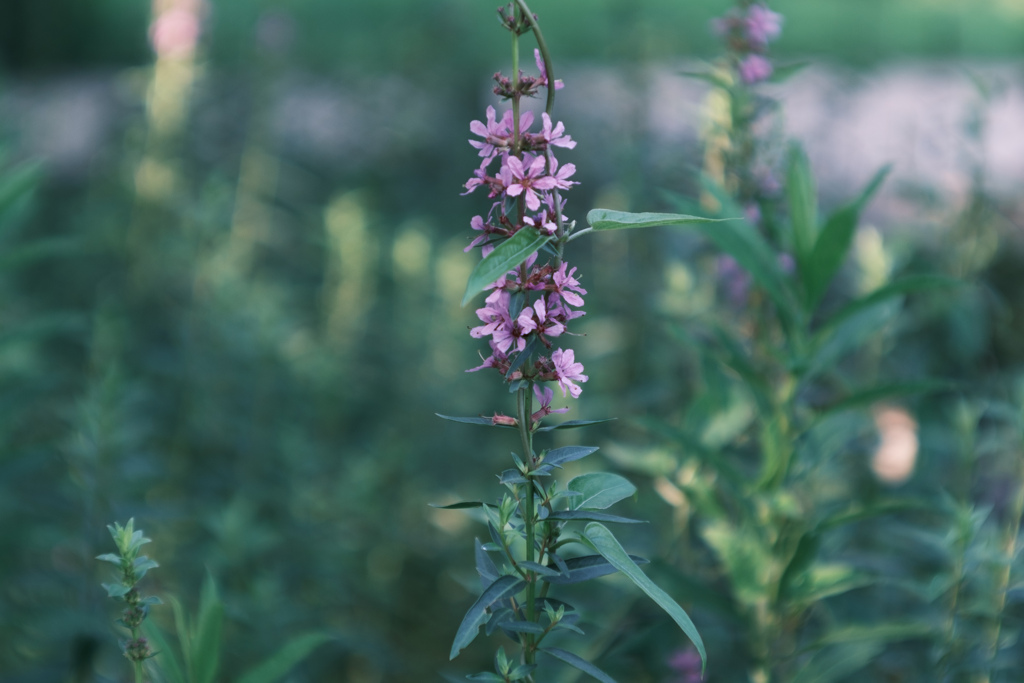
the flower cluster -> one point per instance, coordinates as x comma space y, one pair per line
748, 31
532, 305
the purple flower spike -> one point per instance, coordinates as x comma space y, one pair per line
526, 180
755, 68
762, 26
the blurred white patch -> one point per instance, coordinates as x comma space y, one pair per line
896, 455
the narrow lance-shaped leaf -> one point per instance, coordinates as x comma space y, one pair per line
591, 516
559, 456
834, 242
206, 644
276, 666
579, 569
505, 587
606, 219
485, 421
505, 257
579, 663
803, 204
574, 424
169, 664
600, 539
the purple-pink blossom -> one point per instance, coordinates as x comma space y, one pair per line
544, 397
526, 180
568, 371
543, 80
567, 286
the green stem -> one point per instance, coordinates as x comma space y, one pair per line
524, 409
545, 55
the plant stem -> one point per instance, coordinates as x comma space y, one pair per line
524, 409
545, 55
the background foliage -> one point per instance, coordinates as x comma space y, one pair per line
242, 343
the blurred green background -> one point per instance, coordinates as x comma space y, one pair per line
229, 295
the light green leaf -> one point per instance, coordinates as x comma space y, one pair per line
205, 658
834, 242
506, 256
802, 196
591, 516
277, 666
599, 490
579, 663
116, 590
905, 285
169, 664
883, 632
834, 663
606, 219
111, 558
505, 587
601, 540
560, 456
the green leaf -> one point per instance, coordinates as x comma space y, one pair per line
116, 590
505, 587
600, 490
486, 676
591, 516
603, 541
574, 424
505, 257
205, 658
484, 565
457, 506
579, 663
708, 77
802, 196
111, 558
559, 456
142, 565
169, 664
883, 632
518, 626
521, 672
784, 72
834, 663
485, 421
275, 667
606, 219
17, 183
834, 242
588, 567
539, 568
869, 397
905, 285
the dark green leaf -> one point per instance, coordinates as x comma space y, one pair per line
505, 257
505, 587
806, 552
606, 219
521, 672
484, 565
603, 541
518, 626
878, 633
579, 663
566, 454
519, 357
579, 569
17, 184
486, 421
512, 476
277, 666
574, 424
457, 506
591, 516
486, 676
600, 490
538, 568
869, 397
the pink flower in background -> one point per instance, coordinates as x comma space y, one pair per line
686, 664
755, 68
176, 26
568, 370
762, 25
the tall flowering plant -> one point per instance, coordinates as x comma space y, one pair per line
534, 297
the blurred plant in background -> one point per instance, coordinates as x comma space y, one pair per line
229, 305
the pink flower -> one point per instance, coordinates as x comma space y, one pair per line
762, 25
497, 359
754, 69
494, 315
496, 135
526, 180
543, 80
567, 370
536, 319
544, 397
567, 286
554, 137
562, 174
